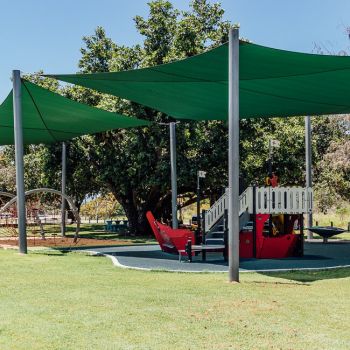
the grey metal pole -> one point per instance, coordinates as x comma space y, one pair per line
172, 128
270, 158
198, 231
308, 165
18, 134
233, 161
63, 189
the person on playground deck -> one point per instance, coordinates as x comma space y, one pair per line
272, 180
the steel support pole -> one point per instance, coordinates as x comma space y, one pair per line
270, 158
63, 188
198, 231
172, 128
308, 165
18, 134
233, 161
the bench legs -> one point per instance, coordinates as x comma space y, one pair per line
189, 250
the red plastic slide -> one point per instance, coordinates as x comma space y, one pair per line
170, 240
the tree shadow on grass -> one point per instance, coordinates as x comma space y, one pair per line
50, 252
308, 277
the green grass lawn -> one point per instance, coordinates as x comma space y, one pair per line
342, 236
97, 231
73, 301
326, 219
93, 230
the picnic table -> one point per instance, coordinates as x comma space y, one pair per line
119, 225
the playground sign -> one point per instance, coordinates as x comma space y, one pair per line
202, 173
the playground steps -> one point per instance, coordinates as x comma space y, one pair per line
216, 234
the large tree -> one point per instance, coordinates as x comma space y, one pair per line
134, 164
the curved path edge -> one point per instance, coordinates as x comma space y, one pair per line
117, 263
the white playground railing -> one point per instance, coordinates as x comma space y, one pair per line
283, 200
269, 200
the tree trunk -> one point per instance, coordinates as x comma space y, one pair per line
138, 223
70, 212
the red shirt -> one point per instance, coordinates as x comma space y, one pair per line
274, 181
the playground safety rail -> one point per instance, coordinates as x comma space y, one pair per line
269, 200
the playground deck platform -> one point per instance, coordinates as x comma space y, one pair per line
317, 255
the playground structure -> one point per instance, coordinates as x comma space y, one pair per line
43, 213
268, 217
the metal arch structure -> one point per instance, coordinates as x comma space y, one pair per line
46, 190
7, 194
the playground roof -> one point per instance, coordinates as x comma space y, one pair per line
49, 117
273, 83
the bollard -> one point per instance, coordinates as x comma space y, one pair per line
188, 249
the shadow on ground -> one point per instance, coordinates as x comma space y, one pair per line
308, 277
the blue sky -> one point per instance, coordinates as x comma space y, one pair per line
46, 34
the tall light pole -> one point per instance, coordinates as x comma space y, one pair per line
308, 165
172, 130
200, 175
63, 189
173, 172
233, 154
18, 135
272, 145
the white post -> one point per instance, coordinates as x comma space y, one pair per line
63, 189
233, 161
18, 134
308, 165
173, 174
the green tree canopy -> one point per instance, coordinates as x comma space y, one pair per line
134, 165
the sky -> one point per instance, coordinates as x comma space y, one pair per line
47, 34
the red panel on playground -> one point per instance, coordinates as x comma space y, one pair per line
170, 240
275, 247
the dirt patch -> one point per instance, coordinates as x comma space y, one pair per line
62, 242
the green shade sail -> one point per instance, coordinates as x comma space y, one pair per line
273, 83
49, 117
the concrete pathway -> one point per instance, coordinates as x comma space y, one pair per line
150, 257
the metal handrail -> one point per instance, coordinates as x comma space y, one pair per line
217, 210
